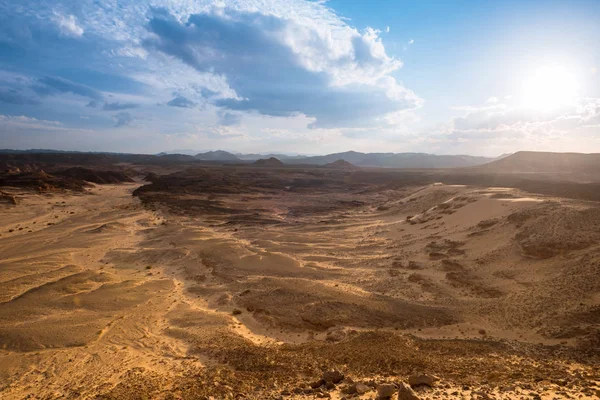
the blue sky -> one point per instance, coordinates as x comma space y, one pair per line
459, 77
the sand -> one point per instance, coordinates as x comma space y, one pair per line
103, 296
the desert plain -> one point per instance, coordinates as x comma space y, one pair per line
152, 279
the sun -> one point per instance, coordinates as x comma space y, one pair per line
549, 87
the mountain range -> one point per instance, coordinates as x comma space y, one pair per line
389, 160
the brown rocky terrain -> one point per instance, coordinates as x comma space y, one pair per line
94, 176
264, 283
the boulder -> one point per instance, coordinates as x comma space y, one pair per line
361, 388
317, 384
333, 376
406, 393
422, 379
386, 391
356, 388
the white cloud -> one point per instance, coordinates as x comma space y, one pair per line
132, 51
282, 67
346, 72
67, 24
21, 132
495, 128
9, 122
501, 117
221, 132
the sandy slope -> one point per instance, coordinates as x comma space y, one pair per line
100, 296
468, 259
67, 315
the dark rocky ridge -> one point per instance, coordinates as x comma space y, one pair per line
269, 162
99, 176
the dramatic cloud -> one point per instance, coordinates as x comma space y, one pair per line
225, 71
212, 74
280, 68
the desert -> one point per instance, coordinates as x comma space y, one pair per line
146, 278
299, 199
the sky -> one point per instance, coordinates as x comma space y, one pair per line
300, 77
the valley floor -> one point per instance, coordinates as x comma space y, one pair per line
494, 291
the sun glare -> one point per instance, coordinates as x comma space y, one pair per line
549, 87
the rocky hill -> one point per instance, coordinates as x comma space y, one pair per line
340, 164
269, 162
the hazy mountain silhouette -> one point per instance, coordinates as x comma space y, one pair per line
399, 160
340, 164
545, 162
218, 155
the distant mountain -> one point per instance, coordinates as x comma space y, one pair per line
340, 164
269, 162
186, 152
530, 162
388, 160
218, 155
174, 157
503, 156
398, 160
256, 156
